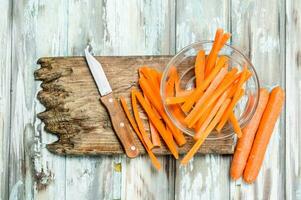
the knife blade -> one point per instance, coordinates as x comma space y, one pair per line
119, 122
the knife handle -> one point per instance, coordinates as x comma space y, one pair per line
120, 125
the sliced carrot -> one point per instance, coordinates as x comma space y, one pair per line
153, 131
264, 133
153, 158
205, 134
200, 68
228, 80
212, 87
219, 42
156, 102
242, 79
235, 124
140, 122
211, 115
244, 144
175, 100
152, 79
199, 91
158, 124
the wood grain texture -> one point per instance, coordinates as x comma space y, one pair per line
262, 39
293, 100
205, 177
5, 83
75, 114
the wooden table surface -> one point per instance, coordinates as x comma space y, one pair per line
266, 31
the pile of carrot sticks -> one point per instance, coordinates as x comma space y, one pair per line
207, 107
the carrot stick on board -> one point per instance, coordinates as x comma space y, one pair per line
200, 68
153, 158
140, 122
149, 75
244, 143
168, 139
264, 133
156, 102
153, 132
205, 134
236, 127
211, 115
199, 91
191, 119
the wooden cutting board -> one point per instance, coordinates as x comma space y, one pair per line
75, 114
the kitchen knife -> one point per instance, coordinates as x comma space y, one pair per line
118, 118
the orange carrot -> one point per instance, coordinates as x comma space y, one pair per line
242, 79
219, 42
156, 102
153, 132
235, 124
153, 158
264, 133
199, 91
139, 122
228, 80
175, 100
214, 84
199, 68
152, 79
211, 115
244, 143
205, 134
158, 124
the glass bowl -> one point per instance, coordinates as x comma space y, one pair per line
184, 63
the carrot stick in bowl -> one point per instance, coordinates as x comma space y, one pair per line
205, 134
264, 133
244, 144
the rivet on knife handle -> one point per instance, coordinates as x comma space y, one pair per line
120, 125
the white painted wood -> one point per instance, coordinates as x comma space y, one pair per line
293, 100
205, 177
258, 29
39, 29
5, 75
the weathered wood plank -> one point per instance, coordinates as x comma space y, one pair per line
38, 30
88, 177
293, 100
5, 75
205, 177
262, 39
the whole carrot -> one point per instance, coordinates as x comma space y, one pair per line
244, 144
264, 133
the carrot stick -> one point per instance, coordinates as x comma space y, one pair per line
211, 115
199, 91
156, 102
264, 133
149, 75
153, 158
219, 42
200, 67
214, 84
175, 100
153, 132
228, 80
235, 124
242, 79
205, 134
158, 124
244, 143
139, 122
